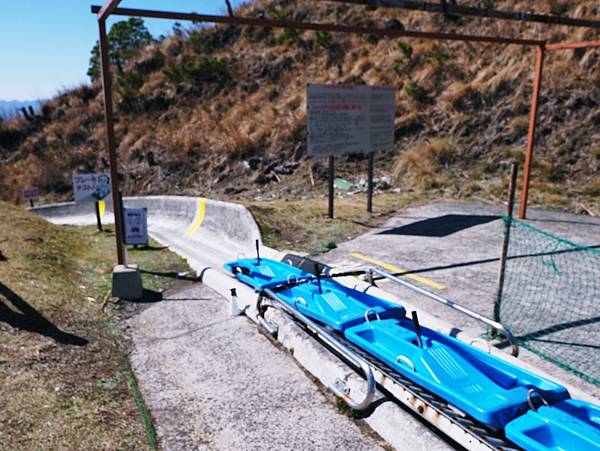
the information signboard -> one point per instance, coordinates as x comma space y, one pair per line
30, 193
345, 119
91, 187
136, 225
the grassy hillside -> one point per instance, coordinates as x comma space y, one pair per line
221, 111
66, 382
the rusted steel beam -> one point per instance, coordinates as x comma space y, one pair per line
107, 9
458, 10
573, 45
259, 22
535, 101
110, 139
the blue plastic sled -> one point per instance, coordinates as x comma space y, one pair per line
333, 304
266, 274
338, 306
485, 387
566, 425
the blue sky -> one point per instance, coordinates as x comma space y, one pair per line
45, 44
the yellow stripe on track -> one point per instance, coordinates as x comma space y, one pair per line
395, 269
197, 222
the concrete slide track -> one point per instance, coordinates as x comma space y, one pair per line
207, 233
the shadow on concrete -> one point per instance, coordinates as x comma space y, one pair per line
28, 318
378, 226
172, 275
535, 336
148, 297
186, 299
441, 226
570, 344
152, 297
565, 221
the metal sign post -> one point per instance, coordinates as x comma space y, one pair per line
92, 188
108, 8
330, 172
98, 218
512, 187
370, 183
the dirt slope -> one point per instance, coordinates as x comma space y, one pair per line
222, 111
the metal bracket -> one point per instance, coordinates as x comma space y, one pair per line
341, 389
270, 327
530, 394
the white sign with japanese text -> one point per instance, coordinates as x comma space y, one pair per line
136, 225
345, 119
91, 187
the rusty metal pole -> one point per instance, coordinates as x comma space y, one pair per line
330, 187
110, 140
573, 45
370, 165
535, 102
260, 22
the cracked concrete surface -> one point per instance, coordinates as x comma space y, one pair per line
213, 383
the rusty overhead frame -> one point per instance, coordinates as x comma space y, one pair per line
110, 7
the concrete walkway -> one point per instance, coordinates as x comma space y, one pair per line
213, 382
457, 246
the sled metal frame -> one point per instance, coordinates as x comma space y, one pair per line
495, 325
339, 386
436, 411
110, 7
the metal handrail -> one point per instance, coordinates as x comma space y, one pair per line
339, 387
450, 303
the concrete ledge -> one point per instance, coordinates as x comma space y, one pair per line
227, 229
127, 283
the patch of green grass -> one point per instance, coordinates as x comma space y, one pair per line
60, 354
415, 91
142, 409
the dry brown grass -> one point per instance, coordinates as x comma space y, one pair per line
479, 91
63, 360
519, 124
302, 224
424, 162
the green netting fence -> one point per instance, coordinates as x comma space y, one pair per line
550, 298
